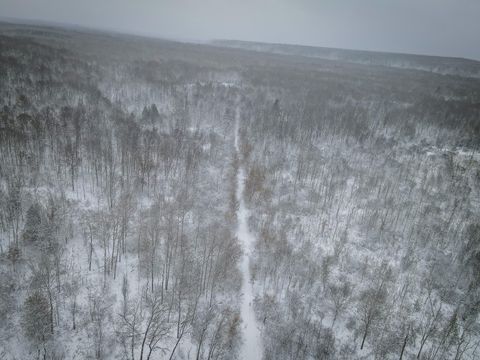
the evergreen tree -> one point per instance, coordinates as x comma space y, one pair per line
33, 224
36, 318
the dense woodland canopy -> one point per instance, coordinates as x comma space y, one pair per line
118, 210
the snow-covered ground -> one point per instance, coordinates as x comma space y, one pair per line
252, 346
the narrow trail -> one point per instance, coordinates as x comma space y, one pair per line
252, 348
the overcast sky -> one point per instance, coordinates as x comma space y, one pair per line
438, 27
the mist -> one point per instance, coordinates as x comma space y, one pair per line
184, 180
431, 27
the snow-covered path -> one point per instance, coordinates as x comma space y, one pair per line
252, 348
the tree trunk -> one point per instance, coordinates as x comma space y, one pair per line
403, 346
364, 336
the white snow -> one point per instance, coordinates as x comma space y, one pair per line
252, 347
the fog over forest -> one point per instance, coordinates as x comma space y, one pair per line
235, 200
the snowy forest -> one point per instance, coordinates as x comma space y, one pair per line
172, 200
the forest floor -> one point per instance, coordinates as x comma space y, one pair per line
252, 347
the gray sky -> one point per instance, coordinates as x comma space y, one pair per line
438, 27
